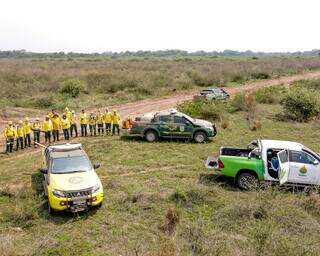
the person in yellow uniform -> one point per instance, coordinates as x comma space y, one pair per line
36, 128
115, 117
9, 134
51, 113
27, 132
127, 123
47, 128
56, 126
83, 123
92, 124
73, 124
68, 113
65, 125
108, 121
20, 135
100, 120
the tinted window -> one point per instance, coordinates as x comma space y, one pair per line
70, 164
165, 119
180, 120
301, 157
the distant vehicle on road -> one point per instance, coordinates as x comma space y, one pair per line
70, 182
284, 162
214, 93
172, 124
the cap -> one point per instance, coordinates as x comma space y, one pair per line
20, 122
10, 123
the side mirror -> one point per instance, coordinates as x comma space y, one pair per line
315, 162
44, 170
96, 166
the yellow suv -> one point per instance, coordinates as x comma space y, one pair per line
70, 181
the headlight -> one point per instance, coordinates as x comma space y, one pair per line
58, 193
95, 188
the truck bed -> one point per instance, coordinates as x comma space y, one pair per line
233, 151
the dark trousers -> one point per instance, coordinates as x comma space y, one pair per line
66, 134
74, 128
19, 143
9, 146
84, 130
108, 128
55, 134
27, 140
93, 130
114, 128
47, 136
100, 129
36, 136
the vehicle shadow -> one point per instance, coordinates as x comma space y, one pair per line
57, 217
160, 140
209, 179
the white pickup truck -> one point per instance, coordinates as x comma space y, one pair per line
285, 162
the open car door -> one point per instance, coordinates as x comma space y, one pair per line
284, 166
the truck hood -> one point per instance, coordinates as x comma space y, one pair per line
202, 123
74, 181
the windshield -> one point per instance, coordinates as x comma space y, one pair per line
189, 118
71, 164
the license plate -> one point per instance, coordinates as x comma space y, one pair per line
79, 202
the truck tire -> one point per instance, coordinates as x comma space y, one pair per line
247, 181
151, 136
200, 137
50, 210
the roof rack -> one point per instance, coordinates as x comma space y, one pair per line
64, 147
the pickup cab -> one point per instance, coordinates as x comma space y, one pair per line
172, 124
284, 162
69, 179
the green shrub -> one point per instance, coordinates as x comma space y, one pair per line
238, 102
71, 87
260, 75
238, 79
301, 104
270, 95
45, 102
202, 109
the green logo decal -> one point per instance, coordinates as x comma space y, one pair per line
303, 171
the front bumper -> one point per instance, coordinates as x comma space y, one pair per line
75, 204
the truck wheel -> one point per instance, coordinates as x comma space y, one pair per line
247, 181
200, 137
50, 210
151, 136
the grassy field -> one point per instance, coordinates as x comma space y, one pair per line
39, 83
160, 200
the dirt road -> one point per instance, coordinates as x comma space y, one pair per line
150, 105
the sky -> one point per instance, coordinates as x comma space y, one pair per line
120, 25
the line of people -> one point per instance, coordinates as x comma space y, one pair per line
107, 123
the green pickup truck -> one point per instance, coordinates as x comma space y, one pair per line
172, 124
283, 162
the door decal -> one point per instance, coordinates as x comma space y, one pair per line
303, 171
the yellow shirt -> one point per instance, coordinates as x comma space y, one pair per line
100, 118
108, 118
68, 114
73, 119
20, 131
115, 118
56, 123
83, 118
27, 128
51, 114
47, 126
36, 126
65, 123
9, 132
92, 119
